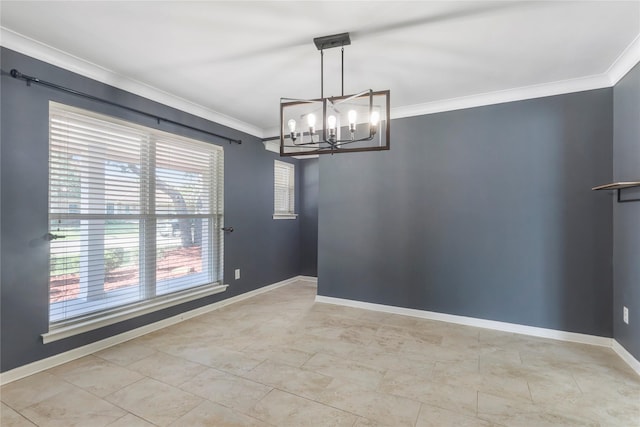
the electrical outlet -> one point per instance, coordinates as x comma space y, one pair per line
625, 315
237, 273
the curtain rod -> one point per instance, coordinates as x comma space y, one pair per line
29, 79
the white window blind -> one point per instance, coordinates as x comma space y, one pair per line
283, 190
138, 213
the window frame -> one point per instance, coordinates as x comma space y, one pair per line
289, 188
210, 283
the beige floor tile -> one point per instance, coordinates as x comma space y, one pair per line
417, 335
552, 387
125, 354
498, 354
455, 367
283, 409
289, 378
96, 375
486, 382
460, 398
314, 344
373, 316
227, 389
516, 413
154, 401
209, 414
168, 369
432, 416
406, 321
332, 310
344, 368
279, 353
33, 389
130, 420
357, 335
195, 329
10, 418
382, 407
400, 376
159, 339
292, 362
365, 422
75, 408
209, 353
373, 356
600, 409
593, 377
324, 326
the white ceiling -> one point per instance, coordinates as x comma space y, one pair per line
238, 58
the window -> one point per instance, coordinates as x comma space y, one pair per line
284, 193
138, 212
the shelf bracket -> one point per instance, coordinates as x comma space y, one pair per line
618, 187
620, 200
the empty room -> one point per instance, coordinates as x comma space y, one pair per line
320, 213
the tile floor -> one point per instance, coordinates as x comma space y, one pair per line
279, 359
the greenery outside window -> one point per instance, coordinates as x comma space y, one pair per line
135, 215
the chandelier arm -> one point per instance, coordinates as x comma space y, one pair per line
341, 142
350, 97
309, 101
302, 144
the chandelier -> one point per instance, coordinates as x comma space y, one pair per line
337, 124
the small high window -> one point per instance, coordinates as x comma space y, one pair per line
284, 191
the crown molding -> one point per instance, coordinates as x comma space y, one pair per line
628, 59
504, 96
625, 62
27, 46
621, 66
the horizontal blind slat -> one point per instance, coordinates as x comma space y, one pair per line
100, 176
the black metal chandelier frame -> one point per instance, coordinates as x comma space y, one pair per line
329, 142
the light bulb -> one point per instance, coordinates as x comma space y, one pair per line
352, 123
292, 129
331, 121
375, 118
311, 120
352, 117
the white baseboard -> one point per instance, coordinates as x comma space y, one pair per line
626, 356
59, 359
85, 350
472, 321
492, 324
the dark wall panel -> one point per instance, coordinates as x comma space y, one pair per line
485, 212
309, 217
265, 250
626, 216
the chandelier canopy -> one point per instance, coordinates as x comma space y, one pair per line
339, 124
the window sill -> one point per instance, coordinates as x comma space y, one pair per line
84, 325
285, 216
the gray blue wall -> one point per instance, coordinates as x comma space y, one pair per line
265, 250
485, 212
309, 217
626, 216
